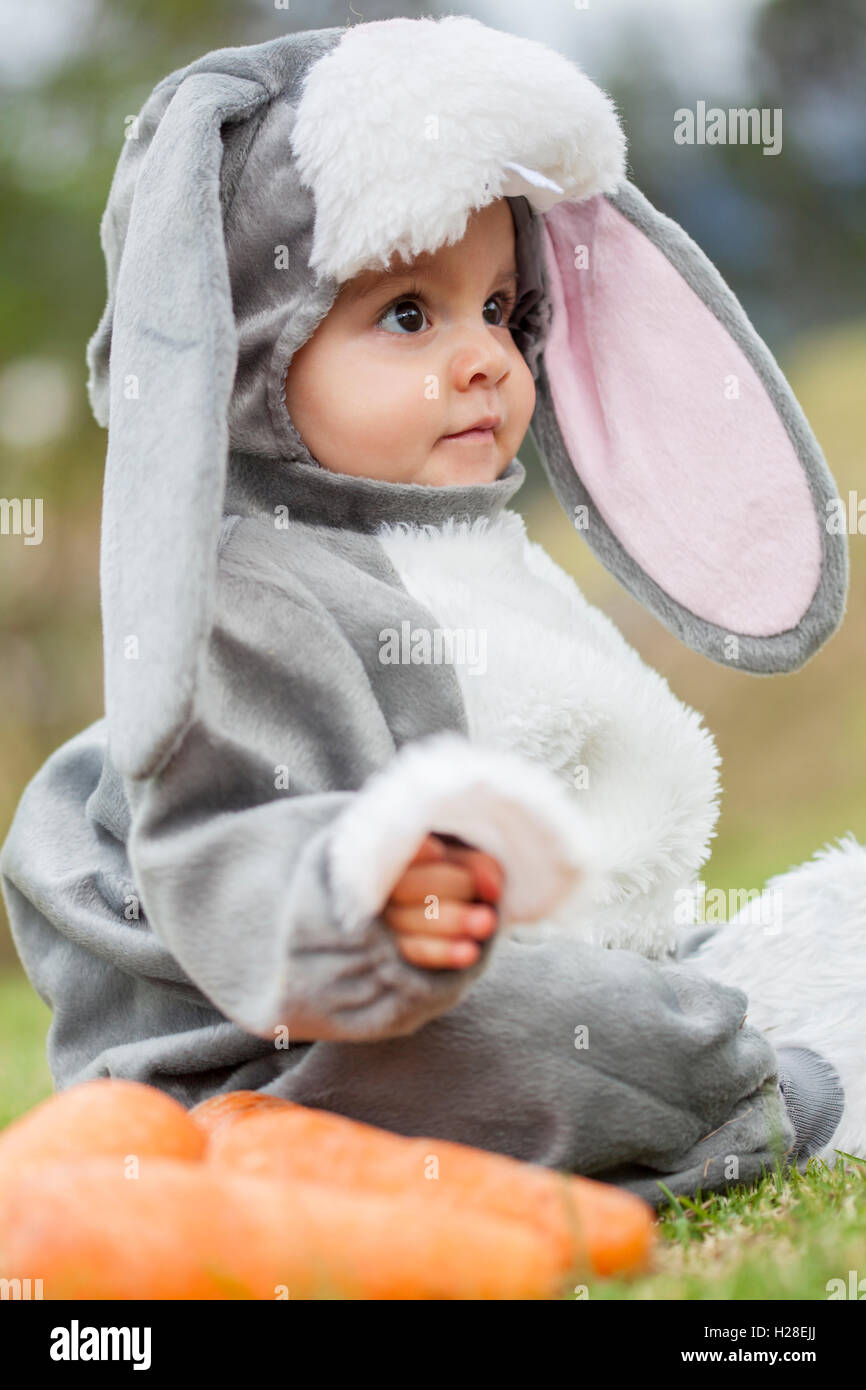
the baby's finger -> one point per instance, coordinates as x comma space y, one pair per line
487, 871
443, 880
454, 919
436, 953
429, 851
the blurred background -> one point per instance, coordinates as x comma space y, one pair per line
787, 232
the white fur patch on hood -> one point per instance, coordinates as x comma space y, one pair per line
408, 125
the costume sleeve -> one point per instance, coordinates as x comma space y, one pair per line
265, 846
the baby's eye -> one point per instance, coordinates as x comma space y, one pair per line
505, 303
407, 312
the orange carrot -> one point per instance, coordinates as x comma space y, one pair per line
187, 1230
105, 1116
220, 1112
590, 1225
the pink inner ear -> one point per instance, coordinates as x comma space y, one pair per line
700, 485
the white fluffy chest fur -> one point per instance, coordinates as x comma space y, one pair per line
548, 676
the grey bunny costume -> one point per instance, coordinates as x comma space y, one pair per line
194, 881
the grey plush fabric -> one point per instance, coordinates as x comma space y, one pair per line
814, 1098
232, 870
810, 1086
666, 1085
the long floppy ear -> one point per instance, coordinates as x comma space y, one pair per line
170, 334
675, 444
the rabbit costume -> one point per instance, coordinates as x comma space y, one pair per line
195, 881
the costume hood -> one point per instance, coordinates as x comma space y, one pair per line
256, 180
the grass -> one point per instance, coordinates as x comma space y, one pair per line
783, 1238
24, 1075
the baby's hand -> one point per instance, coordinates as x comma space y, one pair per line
455, 874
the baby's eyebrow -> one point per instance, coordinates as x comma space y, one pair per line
356, 291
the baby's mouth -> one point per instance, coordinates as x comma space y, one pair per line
481, 433
470, 437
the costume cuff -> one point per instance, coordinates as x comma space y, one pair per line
500, 802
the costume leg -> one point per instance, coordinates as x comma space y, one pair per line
588, 1060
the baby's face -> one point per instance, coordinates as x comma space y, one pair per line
408, 357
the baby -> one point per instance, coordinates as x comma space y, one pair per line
280, 863
359, 394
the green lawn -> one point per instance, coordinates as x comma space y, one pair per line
782, 1239
24, 1019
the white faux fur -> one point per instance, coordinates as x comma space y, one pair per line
494, 800
563, 689
806, 981
409, 124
